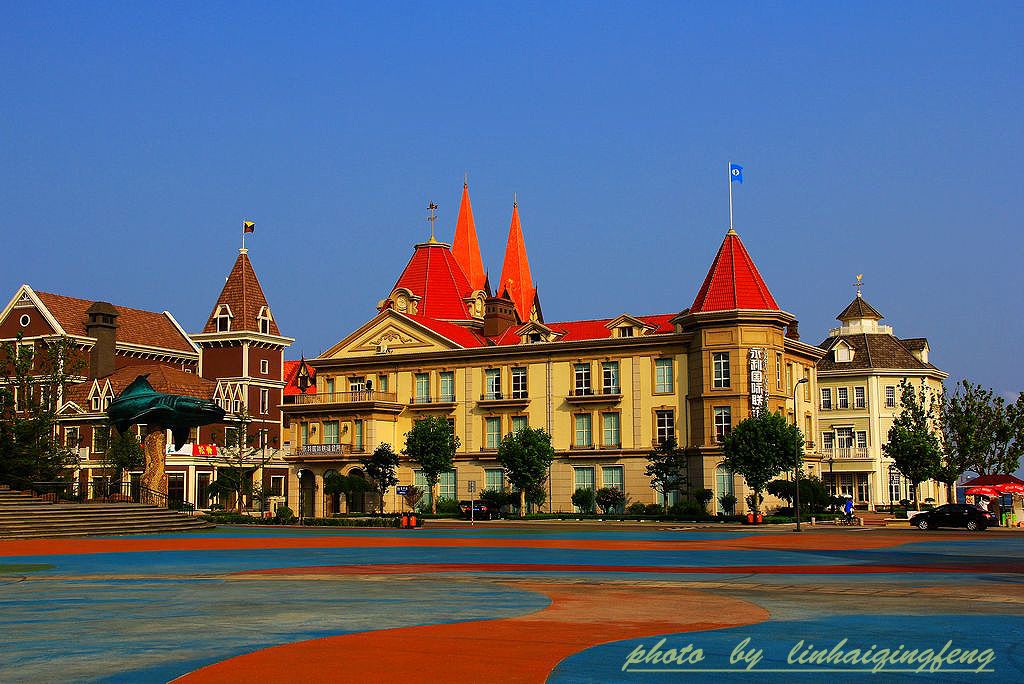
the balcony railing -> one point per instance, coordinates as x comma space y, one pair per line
516, 397
342, 397
845, 452
608, 393
432, 401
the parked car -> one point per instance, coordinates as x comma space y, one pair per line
481, 511
954, 515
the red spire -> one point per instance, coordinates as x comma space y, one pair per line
244, 298
733, 281
434, 276
465, 247
515, 272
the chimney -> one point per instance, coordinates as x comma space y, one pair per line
499, 315
102, 325
793, 330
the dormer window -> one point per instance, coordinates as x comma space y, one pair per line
223, 318
626, 332
843, 353
96, 403
264, 319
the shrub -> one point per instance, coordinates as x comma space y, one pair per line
284, 515
704, 497
728, 502
636, 508
584, 499
687, 509
447, 505
610, 498
654, 509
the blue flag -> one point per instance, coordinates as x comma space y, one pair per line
735, 173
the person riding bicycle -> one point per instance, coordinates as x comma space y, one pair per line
848, 509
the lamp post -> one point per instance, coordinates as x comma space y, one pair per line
799, 461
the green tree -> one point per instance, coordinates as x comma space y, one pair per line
760, 448
1007, 429
345, 485
966, 432
584, 499
239, 457
123, 452
667, 469
431, 444
728, 502
704, 497
412, 496
380, 467
526, 456
610, 499
913, 444
34, 376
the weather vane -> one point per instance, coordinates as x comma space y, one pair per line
859, 283
432, 218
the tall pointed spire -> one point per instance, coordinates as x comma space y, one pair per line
243, 301
465, 247
733, 281
516, 282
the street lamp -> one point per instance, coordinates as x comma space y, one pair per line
799, 461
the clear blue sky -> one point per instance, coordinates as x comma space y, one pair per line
877, 138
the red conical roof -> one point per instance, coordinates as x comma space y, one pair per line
243, 294
515, 272
465, 247
434, 275
733, 281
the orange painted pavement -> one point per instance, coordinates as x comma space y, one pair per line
812, 541
519, 649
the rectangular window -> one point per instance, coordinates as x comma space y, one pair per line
420, 480
422, 388
721, 364
264, 366
844, 437
583, 478
890, 396
665, 425
382, 383
663, 380
581, 379
584, 436
175, 487
826, 398
494, 479
357, 384
447, 386
519, 388
264, 401
303, 434
862, 439
492, 430
277, 485
100, 437
231, 438
723, 423
71, 437
519, 423
778, 371
863, 491
357, 438
610, 423
827, 440
329, 385
447, 485
842, 397
610, 377
858, 398
330, 432
612, 477
807, 385
203, 489
492, 383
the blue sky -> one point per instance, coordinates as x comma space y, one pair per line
881, 139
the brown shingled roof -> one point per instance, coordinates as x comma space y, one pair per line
871, 350
163, 378
134, 326
244, 296
915, 343
859, 308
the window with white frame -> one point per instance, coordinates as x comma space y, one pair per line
844, 437
890, 396
778, 371
612, 477
447, 379
264, 402
583, 478
330, 432
71, 437
492, 383
494, 479
303, 434
357, 436
663, 380
100, 437
223, 318
422, 387
447, 485
859, 398
664, 425
264, 320
357, 384
492, 432
519, 423
723, 423
610, 426
581, 379
519, 388
264, 366
329, 385
720, 361
842, 397
828, 440
610, 377
826, 398
862, 439
277, 485
584, 436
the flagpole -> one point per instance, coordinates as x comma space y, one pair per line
728, 175
243, 230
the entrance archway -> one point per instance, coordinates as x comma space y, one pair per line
307, 490
332, 496
358, 500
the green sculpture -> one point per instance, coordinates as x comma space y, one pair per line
139, 403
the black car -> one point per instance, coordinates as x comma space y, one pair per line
481, 511
953, 515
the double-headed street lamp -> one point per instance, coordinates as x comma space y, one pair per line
799, 461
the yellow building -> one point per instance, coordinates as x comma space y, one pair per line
608, 390
858, 397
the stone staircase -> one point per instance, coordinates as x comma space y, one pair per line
23, 516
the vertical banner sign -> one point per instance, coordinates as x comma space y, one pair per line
758, 387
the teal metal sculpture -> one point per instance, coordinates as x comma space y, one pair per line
140, 403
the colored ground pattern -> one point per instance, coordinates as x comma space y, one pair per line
507, 603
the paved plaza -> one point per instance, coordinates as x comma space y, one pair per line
515, 603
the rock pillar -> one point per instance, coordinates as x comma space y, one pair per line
155, 445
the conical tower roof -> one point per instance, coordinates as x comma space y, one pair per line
465, 247
435, 277
733, 281
859, 309
243, 295
516, 282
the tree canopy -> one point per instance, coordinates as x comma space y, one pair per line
380, 467
762, 447
667, 469
431, 444
913, 444
526, 455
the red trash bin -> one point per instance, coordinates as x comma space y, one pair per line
760, 518
750, 518
405, 520
412, 520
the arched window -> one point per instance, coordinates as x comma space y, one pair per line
264, 319
223, 318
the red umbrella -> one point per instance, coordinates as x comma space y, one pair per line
1010, 488
982, 491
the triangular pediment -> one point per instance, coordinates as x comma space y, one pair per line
390, 333
631, 322
534, 331
70, 409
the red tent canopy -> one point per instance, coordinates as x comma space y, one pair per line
991, 481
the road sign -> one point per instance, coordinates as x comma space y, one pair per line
402, 490
471, 486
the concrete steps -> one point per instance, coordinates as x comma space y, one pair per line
23, 516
